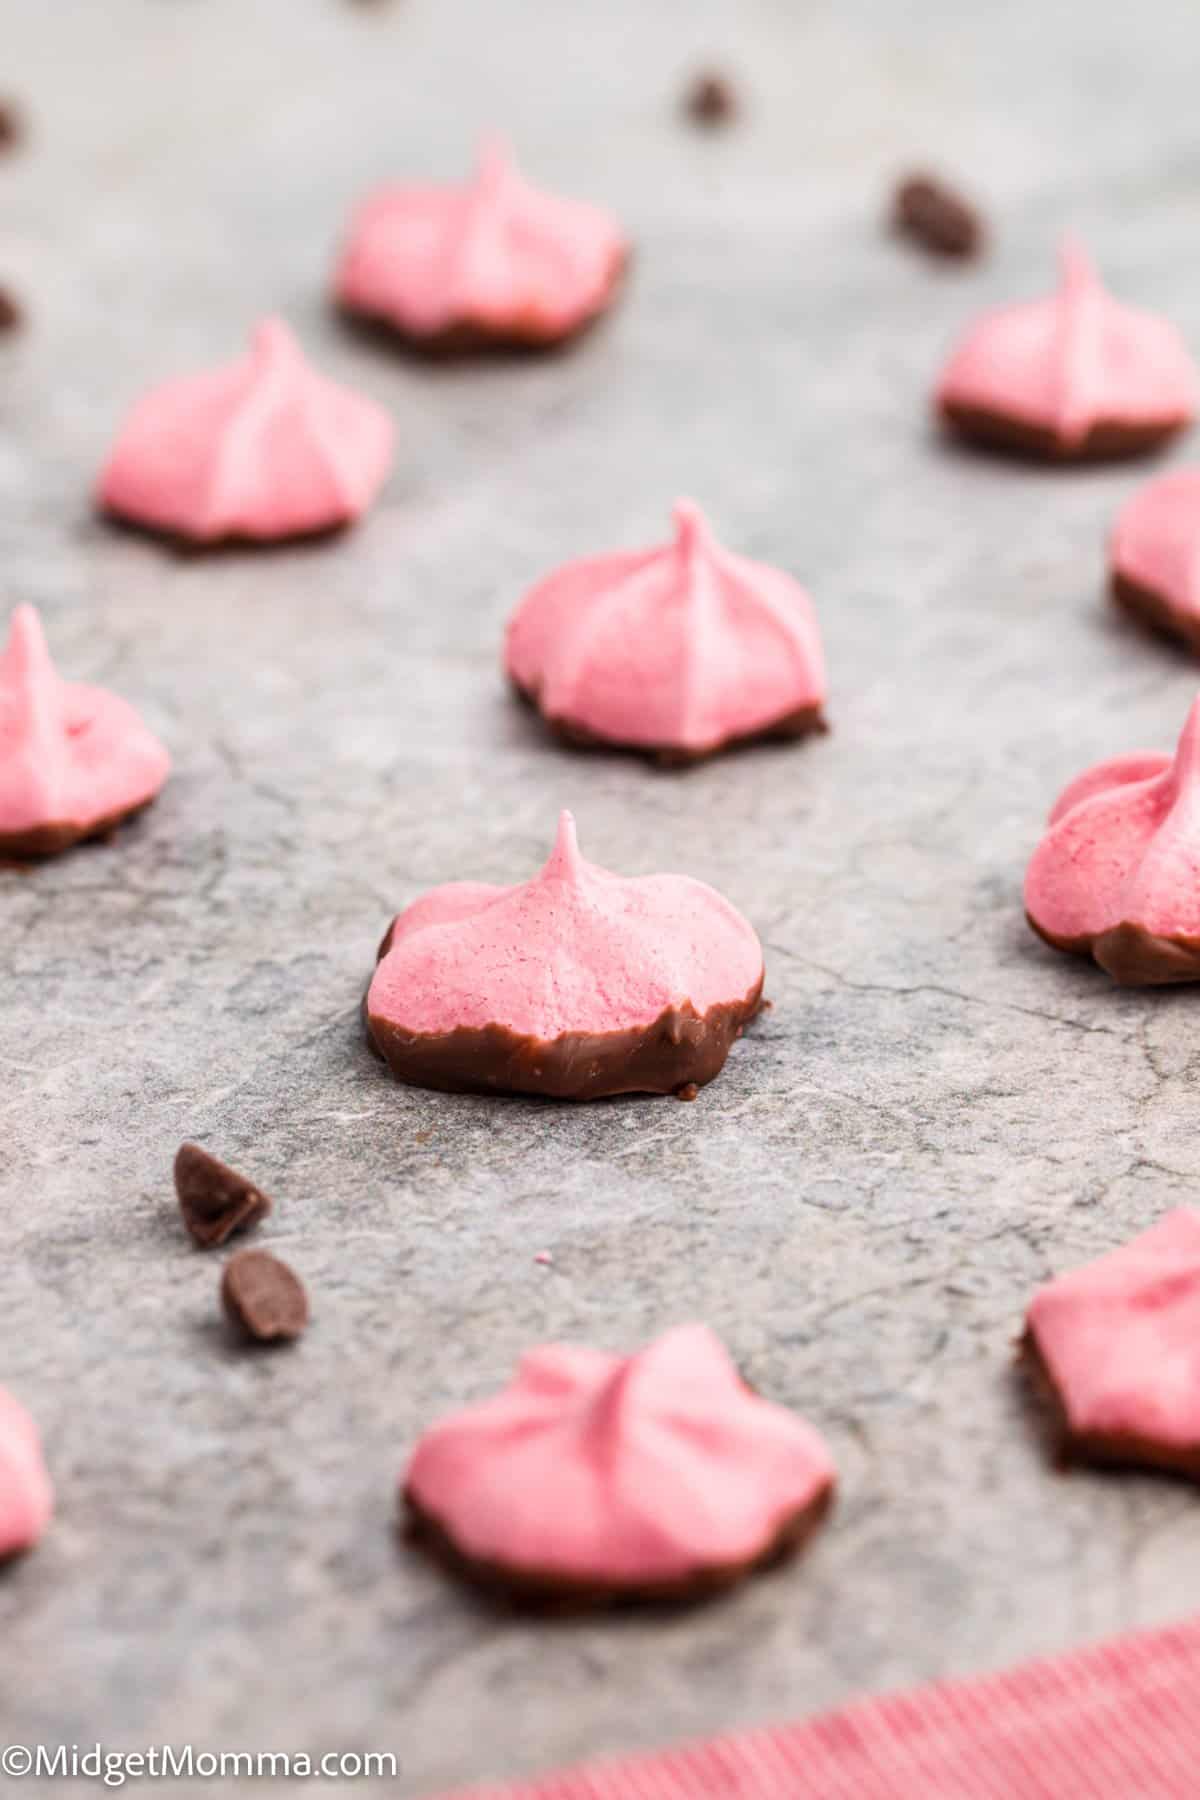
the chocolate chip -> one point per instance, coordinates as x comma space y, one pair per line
264, 1297
937, 218
12, 125
215, 1200
688, 1091
12, 314
711, 99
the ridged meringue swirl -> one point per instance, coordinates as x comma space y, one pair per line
681, 648
495, 259
262, 448
575, 949
73, 759
1120, 1340
621, 1471
1117, 874
1078, 367
26, 1495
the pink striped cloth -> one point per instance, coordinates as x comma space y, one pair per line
1117, 1721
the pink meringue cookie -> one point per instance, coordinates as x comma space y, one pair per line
1072, 376
1154, 556
493, 262
1115, 1346
74, 760
26, 1496
1117, 875
594, 1476
678, 650
577, 984
262, 448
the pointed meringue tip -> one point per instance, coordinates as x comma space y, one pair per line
691, 527
1075, 266
680, 1348
273, 340
493, 156
610, 1400
690, 1343
564, 863
27, 654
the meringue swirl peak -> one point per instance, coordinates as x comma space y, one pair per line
1154, 555
600, 1476
260, 449
494, 261
26, 1495
576, 983
1077, 374
1117, 874
74, 759
676, 651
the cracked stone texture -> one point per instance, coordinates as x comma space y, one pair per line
938, 1113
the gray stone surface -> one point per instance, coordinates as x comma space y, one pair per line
937, 1113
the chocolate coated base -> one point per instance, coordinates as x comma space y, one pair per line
472, 337
1108, 440
674, 756
679, 1048
1133, 956
1156, 610
48, 840
1114, 1449
187, 543
547, 1591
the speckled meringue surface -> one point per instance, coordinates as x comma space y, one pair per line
74, 759
1074, 375
26, 1495
1154, 554
577, 983
677, 650
598, 1476
1117, 874
494, 261
1116, 1345
261, 449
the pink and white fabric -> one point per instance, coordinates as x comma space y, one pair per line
1116, 1721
